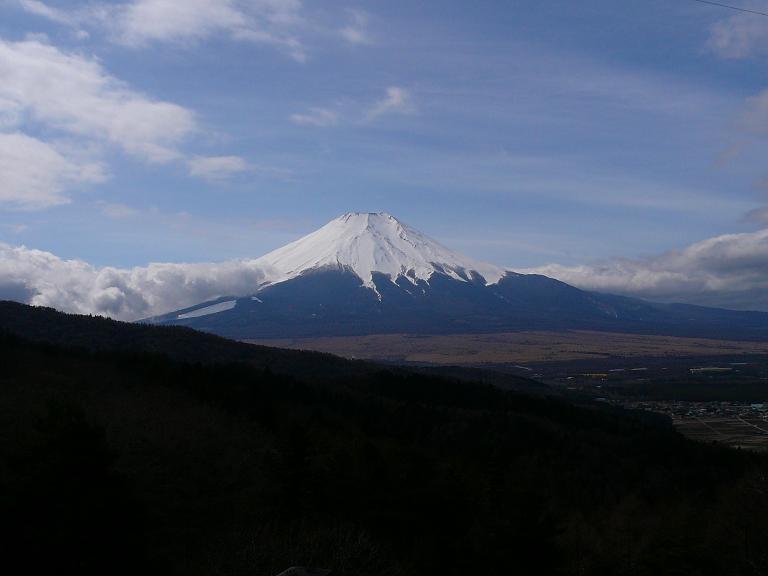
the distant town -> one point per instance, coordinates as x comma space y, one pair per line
713, 400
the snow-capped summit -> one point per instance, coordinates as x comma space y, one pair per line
365, 243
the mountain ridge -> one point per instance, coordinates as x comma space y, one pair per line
368, 273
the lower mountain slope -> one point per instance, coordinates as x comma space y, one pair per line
369, 273
334, 302
122, 460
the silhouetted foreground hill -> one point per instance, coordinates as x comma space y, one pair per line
97, 333
130, 462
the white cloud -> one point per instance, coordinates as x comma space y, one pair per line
43, 279
71, 96
145, 21
34, 174
217, 167
138, 23
729, 270
397, 100
740, 36
75, 95
319, 117
117, 211
356, 31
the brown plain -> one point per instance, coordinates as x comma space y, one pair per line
515, 347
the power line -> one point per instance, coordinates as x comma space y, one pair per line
731, 7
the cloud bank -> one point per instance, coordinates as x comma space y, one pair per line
729, 271
43, 279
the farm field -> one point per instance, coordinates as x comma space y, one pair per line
737, 432
516, 347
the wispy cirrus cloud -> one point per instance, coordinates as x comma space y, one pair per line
397, 100
318, 117
117, 211
274, 22
140, 23
285, 25
40, 8
356, 29
216, 168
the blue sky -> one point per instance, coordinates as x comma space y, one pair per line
525, 133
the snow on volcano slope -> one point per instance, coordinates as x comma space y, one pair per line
212, 309
372, 242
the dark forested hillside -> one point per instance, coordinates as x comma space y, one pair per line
122, 460
103, 334
99, 334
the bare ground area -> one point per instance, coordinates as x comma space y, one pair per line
747, 433
516, 347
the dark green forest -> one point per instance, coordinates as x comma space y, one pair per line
134, 449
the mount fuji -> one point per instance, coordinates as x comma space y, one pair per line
369, 273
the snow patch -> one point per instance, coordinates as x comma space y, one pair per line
212, 309
373, 242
